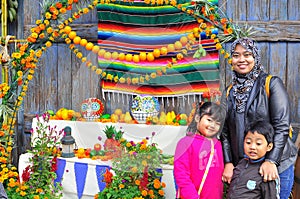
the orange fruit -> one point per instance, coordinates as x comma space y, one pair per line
191, 36
77, 40
118, 111
101, 52
178, 45
121, 56
183, 40
89, 46
171, 48
67, 29
163, 50
115, 55
72, 34
156, 53
136, 58
95, 49
83, 42
128, 57
150, 57
107, 55
143, 56
196, 30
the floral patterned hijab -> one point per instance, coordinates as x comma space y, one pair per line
242, 83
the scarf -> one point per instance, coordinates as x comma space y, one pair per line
242, 83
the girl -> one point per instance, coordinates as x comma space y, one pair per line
198, 161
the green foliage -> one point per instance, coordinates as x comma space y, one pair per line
38, 178
12, 6
135, 173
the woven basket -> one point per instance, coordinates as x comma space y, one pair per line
141, 116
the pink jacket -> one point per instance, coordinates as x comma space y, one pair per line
191, 157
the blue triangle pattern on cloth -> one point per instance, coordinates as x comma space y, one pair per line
80, 175
61, 164
100, 170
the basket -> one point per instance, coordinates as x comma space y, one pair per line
142, 116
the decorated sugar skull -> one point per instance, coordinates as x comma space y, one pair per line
91, 108
143, 107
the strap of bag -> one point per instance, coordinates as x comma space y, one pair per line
267, 85
228, 90
212, 152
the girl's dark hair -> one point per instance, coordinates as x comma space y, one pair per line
262, 127
211, 109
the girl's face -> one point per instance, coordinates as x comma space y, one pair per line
207, 126
256, 145
242, 60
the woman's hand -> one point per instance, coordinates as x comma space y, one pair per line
269, 171
228, 172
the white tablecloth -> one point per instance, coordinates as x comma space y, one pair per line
86, 133
79, 177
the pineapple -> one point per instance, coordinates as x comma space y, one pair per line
112, 144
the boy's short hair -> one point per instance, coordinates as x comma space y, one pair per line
262, 127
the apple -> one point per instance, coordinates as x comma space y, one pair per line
97, 147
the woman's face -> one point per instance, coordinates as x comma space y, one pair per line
242, 60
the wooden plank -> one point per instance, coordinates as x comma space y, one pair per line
257, 10
236, 9
274, 30
85, 82
293, 10
48, 79
64, 77
278, 59
278, 10
292, 81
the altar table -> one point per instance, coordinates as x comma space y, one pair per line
86, 133
82, 178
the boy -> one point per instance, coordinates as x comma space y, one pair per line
246, 181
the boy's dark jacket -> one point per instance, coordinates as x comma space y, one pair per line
248, 183
274, 109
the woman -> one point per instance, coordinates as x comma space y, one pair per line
247, 101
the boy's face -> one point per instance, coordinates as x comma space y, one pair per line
256, 145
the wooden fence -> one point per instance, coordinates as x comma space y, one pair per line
61, 80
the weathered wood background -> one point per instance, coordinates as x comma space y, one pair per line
61, 80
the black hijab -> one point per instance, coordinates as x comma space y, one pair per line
242, 83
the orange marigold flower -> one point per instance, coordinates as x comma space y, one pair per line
161, 192
144, 193
137, 182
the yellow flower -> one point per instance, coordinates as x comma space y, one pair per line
121, 186
16, 55
48, 44
98, 71
48, 15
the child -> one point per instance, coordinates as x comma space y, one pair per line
198, 160
246, 181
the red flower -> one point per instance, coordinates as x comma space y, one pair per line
144, 180
26, 174
108, 177
54, 164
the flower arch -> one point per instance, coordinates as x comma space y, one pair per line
24, 60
